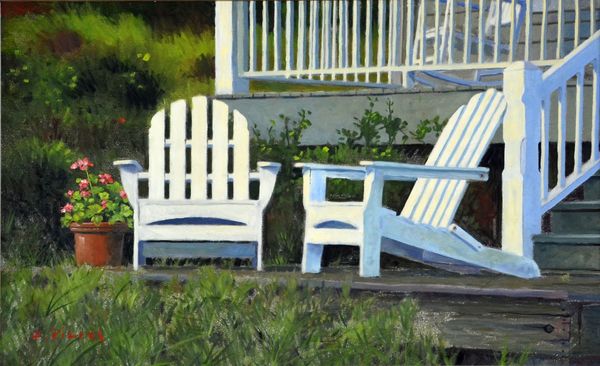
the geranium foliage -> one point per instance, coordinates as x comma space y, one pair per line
95, 198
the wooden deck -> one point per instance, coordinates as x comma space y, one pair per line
555, 317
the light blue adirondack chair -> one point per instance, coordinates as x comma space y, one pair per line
424, 231
207, 213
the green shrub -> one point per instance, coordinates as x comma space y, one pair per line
210, 319
34, 176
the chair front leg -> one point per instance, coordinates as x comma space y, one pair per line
314, 187
311, 258
370, 249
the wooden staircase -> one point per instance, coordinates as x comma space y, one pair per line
574, 240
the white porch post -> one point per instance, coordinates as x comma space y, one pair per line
231, 41
521, 181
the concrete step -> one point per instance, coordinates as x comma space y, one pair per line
576, 217
567, 251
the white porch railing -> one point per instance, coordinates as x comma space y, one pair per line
384, 42
539, 113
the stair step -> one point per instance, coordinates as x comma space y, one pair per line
591, 188
576, 217
567, 239
567, 251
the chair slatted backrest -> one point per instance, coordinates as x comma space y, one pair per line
199, 144
462, 144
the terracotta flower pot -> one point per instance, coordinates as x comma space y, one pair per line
98, 245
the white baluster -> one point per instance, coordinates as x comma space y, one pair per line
481, 29
528, 14
596, 111
498, 30
562, 135
265, 36
579, 122
253, 35
545, 147
300, 65
560, 33
368, 35
277, 34
467, 32
356, 37
289, 34
513, 23
381, 38
544, 40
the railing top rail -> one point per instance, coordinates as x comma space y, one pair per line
585, 53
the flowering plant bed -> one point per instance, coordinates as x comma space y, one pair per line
96, 198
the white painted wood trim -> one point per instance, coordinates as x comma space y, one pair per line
402, 171
220, 150
277, 35
199, 148
156, 161
241, 153
177, 151
289, 34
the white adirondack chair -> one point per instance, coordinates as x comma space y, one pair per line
446, 48
199, 217
424, 230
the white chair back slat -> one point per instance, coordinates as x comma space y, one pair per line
220, 150
241, 151
177, 151
156, 163
462, 144
474, 153
418, 190
199, 145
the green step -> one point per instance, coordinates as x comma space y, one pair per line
567, 251
576, 217
591, 188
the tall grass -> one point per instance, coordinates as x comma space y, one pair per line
171, 57
211, 319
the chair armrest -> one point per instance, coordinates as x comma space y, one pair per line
409, 172
130, 165
334, 171
129, 170
267, 172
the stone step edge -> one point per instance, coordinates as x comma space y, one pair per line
578, 206
567, 239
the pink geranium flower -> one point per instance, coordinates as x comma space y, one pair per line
82, 164
85, 194
105, 178
83, 184
70, 193
104, 203
123, 194
67, 208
